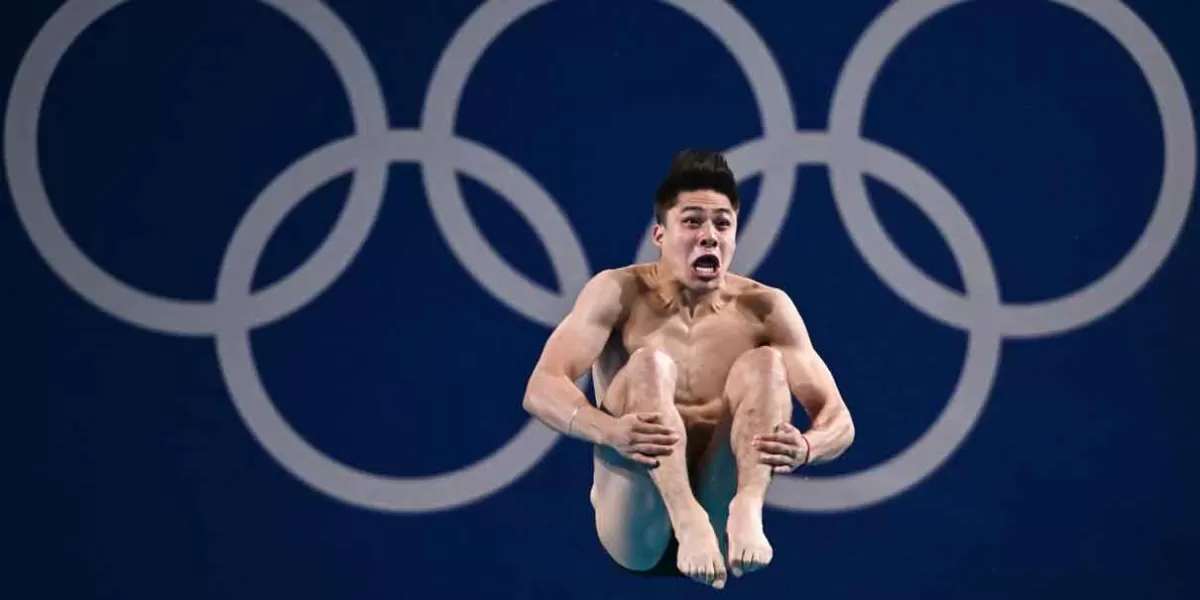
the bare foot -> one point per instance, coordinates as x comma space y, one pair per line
699, 554
749, 549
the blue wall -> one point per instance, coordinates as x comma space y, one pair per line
254, 341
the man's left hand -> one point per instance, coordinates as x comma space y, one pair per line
784, 449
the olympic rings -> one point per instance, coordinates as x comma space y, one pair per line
237, 309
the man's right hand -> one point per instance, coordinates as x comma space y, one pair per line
642, 438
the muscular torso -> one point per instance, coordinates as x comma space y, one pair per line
703, 342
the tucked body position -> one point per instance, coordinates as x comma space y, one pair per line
695, 370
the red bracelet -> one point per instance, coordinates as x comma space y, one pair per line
807, 450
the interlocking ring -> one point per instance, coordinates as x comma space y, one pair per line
237, 309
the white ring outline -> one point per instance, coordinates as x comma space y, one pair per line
1031, 319
483, 262
341, 481
970, 394
135, 306
231, 313
989, 318
848, 157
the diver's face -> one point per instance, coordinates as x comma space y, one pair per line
697, 238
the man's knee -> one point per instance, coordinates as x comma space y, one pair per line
758, 380
648, 369
645, 366
760, 367
651, 363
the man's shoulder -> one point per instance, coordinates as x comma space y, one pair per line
757, 297
629, 278
613, 290
630, 270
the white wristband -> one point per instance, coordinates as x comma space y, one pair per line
571, 421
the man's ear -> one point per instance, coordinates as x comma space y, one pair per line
657, 235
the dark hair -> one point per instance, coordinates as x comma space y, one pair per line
693, 170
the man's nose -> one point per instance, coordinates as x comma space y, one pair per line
708, 238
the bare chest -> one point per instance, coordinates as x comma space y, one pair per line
704, 349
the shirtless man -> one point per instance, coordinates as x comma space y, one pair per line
694, 371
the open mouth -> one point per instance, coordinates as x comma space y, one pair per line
706, 266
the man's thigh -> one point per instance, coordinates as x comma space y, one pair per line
715, 479
631, 519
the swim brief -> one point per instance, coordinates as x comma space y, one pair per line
665, 567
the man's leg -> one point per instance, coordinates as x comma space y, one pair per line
716, 478
759, 399
637, 508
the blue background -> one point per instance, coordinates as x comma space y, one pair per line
129, 474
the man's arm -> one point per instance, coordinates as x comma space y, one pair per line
832, 429
551, 394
